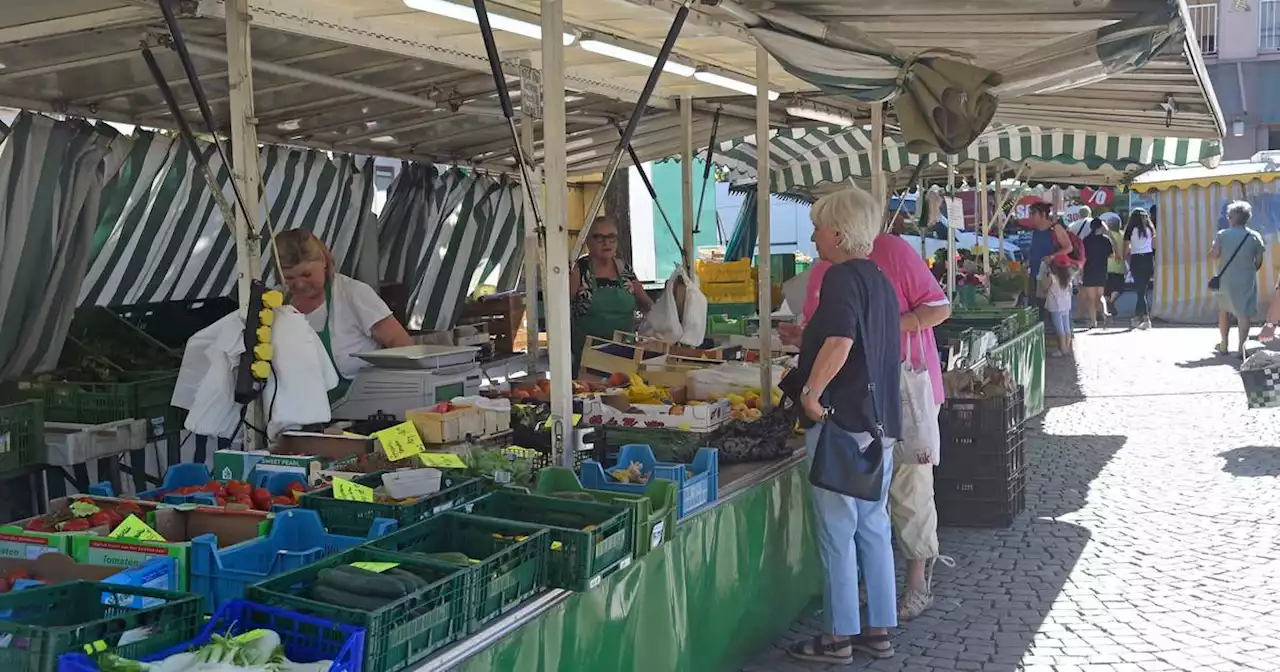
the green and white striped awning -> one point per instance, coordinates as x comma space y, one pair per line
806, 158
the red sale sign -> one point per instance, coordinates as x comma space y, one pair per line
1097, 198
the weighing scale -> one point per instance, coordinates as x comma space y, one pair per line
416, 376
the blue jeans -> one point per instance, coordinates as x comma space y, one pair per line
853, 533
1061, 322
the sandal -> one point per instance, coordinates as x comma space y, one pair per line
1221, 349
876, 646
816, 650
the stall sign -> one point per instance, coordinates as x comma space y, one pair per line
1101, 197
530, 92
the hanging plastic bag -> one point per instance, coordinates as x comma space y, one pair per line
693, 311
663, 320
921, 441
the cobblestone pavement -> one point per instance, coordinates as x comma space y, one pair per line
1151, 539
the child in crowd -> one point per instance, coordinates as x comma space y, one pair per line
1056, 277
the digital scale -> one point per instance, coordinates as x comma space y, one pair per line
416, 376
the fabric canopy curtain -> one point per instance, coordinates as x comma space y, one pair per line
51, 180
442, 232
160, 235
742, 242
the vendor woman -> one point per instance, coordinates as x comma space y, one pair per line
605, 291
348, 315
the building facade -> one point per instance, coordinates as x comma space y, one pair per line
1240, 41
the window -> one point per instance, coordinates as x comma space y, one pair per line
1273, 138
1204, 21
1269, 25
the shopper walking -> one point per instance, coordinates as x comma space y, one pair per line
1140, 251
852, 383
1238, 250
1117, 269
1093, 279
1055, 283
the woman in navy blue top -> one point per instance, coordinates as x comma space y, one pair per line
840, 371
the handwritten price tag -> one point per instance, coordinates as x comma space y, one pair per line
132, 528
400, 441
378, 567
519, 452
442, 461
351, 492
576, 418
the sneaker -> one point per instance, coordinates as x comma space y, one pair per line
1146, 324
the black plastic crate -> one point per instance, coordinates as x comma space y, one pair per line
980, 501
977, 418
965, 456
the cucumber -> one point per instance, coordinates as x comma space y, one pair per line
416, 581
342, 598
363, 582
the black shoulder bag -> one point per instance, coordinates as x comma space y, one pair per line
840, 463
1216, 281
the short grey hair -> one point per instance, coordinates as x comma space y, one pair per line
1239, 213
853, 213
1086, 212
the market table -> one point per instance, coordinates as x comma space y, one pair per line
734, 575
1024, 356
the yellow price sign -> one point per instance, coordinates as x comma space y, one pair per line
519, 452
351, 492
576, 418
400, 441
378, 567
133, 528
442, 461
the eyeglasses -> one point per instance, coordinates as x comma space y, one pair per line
605, 237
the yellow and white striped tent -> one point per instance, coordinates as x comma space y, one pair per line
1189, 205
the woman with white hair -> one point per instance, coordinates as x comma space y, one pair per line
1238, 250
849, 377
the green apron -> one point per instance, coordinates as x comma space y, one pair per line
612, 309
326, 337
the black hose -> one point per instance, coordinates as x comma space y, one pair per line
653, 194
706, 173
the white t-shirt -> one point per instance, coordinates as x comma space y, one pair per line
356, 308
1140, 242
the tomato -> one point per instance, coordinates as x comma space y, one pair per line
261, 499
238, 489
99, 519
128, 506
79, 525
36, 525
212, 486
222, 501
283, 500
18, 575
5, 584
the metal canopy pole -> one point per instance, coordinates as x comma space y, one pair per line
686, 180
557, 234
649, 85
244, 170
877, 154
983, 212
763, 189
532, 244
951, 231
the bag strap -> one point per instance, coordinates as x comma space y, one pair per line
1233, 255
877, 427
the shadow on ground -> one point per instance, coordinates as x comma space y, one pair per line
1252, 461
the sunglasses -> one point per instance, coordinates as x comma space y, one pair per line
605, 237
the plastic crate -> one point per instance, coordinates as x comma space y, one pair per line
354, 518
512, 558
296, 539
145, 395
992, 501
396, 635
724, 325
740, 311
698, 483
988, 456
188, 474
982, 419
653, 513
21, 435
306, 639
578, 557
45, 623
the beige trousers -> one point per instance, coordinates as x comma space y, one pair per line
911, 509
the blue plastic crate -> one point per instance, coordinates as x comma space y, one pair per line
188, 474
297, 538
306, 639
695, 491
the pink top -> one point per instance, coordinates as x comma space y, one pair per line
916, 287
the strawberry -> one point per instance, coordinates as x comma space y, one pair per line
36, 525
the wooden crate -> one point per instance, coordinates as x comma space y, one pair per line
504, 315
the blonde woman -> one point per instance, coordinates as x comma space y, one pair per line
348, 315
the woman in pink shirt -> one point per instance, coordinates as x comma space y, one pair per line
923, 305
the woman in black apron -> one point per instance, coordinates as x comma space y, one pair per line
348, 315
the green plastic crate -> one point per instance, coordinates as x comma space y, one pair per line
69, 617
578, 557
735, 310
144, 395
512, 558
353, 519
396, 635
21, 435
726, 326
653, 515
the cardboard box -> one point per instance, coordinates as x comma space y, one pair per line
179, 525
306, 454
55, 568
18, 543
450, 427
690, 418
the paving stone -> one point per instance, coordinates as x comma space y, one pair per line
1149, 486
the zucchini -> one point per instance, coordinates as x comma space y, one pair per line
342, 598
363, 582
417, 582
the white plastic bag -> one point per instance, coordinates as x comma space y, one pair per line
720, 381
693, 319
663, 320
921, 442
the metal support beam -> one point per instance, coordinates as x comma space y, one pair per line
951, 231
686, 180
763, 190
983, 213
76, 23
877, 154
60, 65
557, 235
244, 157
531, 243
